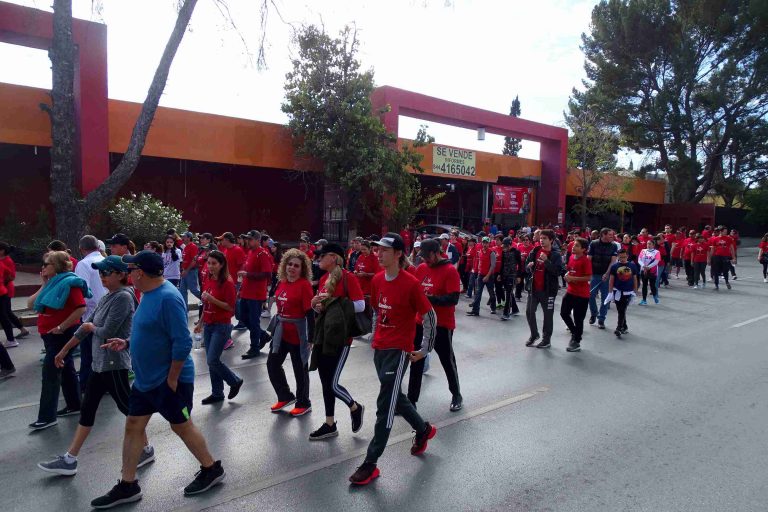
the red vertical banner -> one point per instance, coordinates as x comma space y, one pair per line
514, 200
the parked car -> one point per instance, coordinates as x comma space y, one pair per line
435, 230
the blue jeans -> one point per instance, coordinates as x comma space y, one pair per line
479, 285
471, 284
189, 283
250, 315
216, 336
598, 285
53, 377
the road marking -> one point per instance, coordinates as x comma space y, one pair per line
750, 321
234, 494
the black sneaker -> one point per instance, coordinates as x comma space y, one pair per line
601, 325
573, 346
210, 399
728, 285
592, 320
624, 330
324, 432
40, 425
420, 441
457, 402
123, 492
250, 354
357, 418
531, 340
365, 474
493, 311
205, 479
617, 332
544, 344
234, 390
240, 327
469, 313
66, 411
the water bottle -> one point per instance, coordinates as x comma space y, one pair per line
198, 340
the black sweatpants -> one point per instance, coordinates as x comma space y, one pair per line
700, 272
509, 296
115, 383
329, 368
5, 319
444, 348
648, 278
721, 265
548, 305
689, 271
578, 306
390, 368
621, 308
277, 375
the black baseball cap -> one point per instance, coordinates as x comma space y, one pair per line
118, 239
392, 240
253, 234
331, 248
228, 235
429, 247
147, 260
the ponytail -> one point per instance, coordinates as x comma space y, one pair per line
334, 276
131, 247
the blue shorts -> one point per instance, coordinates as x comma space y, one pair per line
175, 407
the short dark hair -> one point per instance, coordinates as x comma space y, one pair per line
547, 233
622, 251
583, 242
605, 231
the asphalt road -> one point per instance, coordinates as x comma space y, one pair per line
669, 418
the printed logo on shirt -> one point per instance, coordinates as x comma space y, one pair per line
428, 285
624, 273
281, 301
385, 308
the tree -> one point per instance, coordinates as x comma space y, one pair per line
327, 100
145, 218
592, 148
72, 212
512, 146
679, 79
757, 202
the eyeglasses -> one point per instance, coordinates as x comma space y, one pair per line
45, 263
131, 269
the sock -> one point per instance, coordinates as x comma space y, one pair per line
148, 448
69, 458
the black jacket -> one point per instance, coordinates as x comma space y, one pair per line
333, 327
552, 268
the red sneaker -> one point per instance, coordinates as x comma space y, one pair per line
279, 406
420, 440
300, 411
365, 474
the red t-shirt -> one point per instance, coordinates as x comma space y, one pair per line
188, 256
764, 247
293, 301
636, 248
538, 273
579, 267
688, 244
525, 250
8, 278
4, 277
74, 265
722, 245
699, 252
368, 264
397, 303
235, 259
669, 237
258, 260
213, 314
706, 234
643, 239
49, 319
442, 279
349, 286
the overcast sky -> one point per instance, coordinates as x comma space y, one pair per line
476, 52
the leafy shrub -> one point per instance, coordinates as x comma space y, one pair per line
144, 218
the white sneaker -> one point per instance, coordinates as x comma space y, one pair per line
265, 314
11, 344
765, 280
695, 287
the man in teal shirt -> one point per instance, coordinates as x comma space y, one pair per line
160, 347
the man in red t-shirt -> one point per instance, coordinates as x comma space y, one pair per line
396, 298
442, 285
576, 299
722, 253
235, 261
189, 277
256, 274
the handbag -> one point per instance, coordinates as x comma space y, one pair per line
364, 319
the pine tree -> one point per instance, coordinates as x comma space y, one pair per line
512, 146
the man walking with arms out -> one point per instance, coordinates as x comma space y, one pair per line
396, 298
160, 347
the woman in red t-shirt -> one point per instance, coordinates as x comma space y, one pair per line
336, 282
57, 325
762, 256
218, 298
5, 259
292, 332
467, 279
366, 267
699, 260
576, 299
6, 365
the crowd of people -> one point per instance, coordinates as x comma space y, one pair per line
126, 311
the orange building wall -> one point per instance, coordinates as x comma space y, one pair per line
642, 191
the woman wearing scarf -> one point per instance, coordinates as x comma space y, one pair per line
292, 332
60, 303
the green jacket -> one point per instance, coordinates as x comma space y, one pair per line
333, 327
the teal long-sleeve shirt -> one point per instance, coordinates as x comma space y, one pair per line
159, 336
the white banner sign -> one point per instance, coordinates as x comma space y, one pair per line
453, 161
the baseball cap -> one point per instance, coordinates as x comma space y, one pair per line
188, 234
118, 239
207, 236
322, 241
147, 260
445, 236
507, 241
228, 235
253, 234
111, 263
392, 240
486, 239
417, 244
331, 248
429, 247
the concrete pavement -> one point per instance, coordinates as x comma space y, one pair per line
671, 417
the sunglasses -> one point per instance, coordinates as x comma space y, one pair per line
45, 263
107, 272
